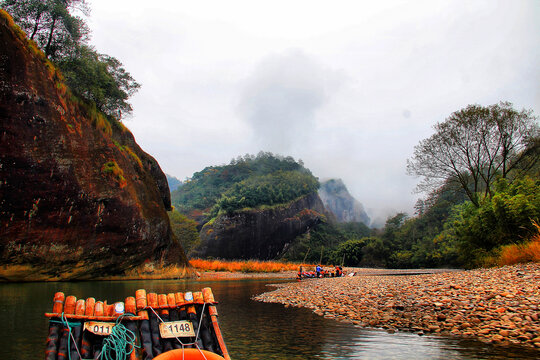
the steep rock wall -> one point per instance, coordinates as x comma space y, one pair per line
337, 199
259, 233
78, 196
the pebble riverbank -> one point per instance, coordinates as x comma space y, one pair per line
500, 305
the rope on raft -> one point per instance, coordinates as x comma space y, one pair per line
114, 345
172, 315
69, 325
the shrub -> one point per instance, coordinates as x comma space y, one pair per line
112, 169
503, 219
184, 229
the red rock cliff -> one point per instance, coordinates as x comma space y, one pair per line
78, 196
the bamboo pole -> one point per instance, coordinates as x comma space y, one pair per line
209, 299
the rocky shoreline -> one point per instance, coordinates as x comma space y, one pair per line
500, 305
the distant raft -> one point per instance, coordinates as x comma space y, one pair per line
174, 326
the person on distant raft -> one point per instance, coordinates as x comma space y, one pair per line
318, 270
338, 271
299, 276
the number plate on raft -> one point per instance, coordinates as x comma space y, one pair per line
99, 328
174, 329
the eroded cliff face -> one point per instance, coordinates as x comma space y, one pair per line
78, 196
337, 199
259, 234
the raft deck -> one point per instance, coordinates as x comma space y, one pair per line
147, 326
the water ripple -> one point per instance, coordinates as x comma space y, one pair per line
252, 330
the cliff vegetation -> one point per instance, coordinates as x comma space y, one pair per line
246, 182
252, 208
79, 198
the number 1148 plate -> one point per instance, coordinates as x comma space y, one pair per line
174, 329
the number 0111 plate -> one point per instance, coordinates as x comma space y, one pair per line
99, 328
174, 329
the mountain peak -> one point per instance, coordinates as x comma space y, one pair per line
338, 200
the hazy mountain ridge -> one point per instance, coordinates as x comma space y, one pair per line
337, 199
174, 183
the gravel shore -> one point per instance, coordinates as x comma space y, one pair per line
500, 305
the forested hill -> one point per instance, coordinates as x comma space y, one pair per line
246, 182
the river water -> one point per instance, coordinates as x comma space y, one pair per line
252, 330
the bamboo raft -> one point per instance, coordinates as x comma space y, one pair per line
148, 326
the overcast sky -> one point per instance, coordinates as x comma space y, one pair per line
349, 87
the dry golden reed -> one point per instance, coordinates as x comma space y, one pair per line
244, 266
522, 253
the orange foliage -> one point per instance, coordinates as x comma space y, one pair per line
244, 266
195, 213
522, 253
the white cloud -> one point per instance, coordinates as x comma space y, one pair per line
280, 99
348, 86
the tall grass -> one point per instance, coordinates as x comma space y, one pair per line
521, 253
245, 266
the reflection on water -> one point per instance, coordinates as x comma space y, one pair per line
252, 330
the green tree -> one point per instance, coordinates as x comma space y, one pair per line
391, 229
50, 23
354, 230
99, 78
505, 218
374, 253
324, 238
349, 252
419, 241
62, 36
473, 147
184, 229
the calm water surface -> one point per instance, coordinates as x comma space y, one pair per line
252, 330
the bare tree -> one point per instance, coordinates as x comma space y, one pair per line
473, 147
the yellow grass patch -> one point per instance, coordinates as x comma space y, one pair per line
522, 253
245, 266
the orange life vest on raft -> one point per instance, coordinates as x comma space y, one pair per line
188, 354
